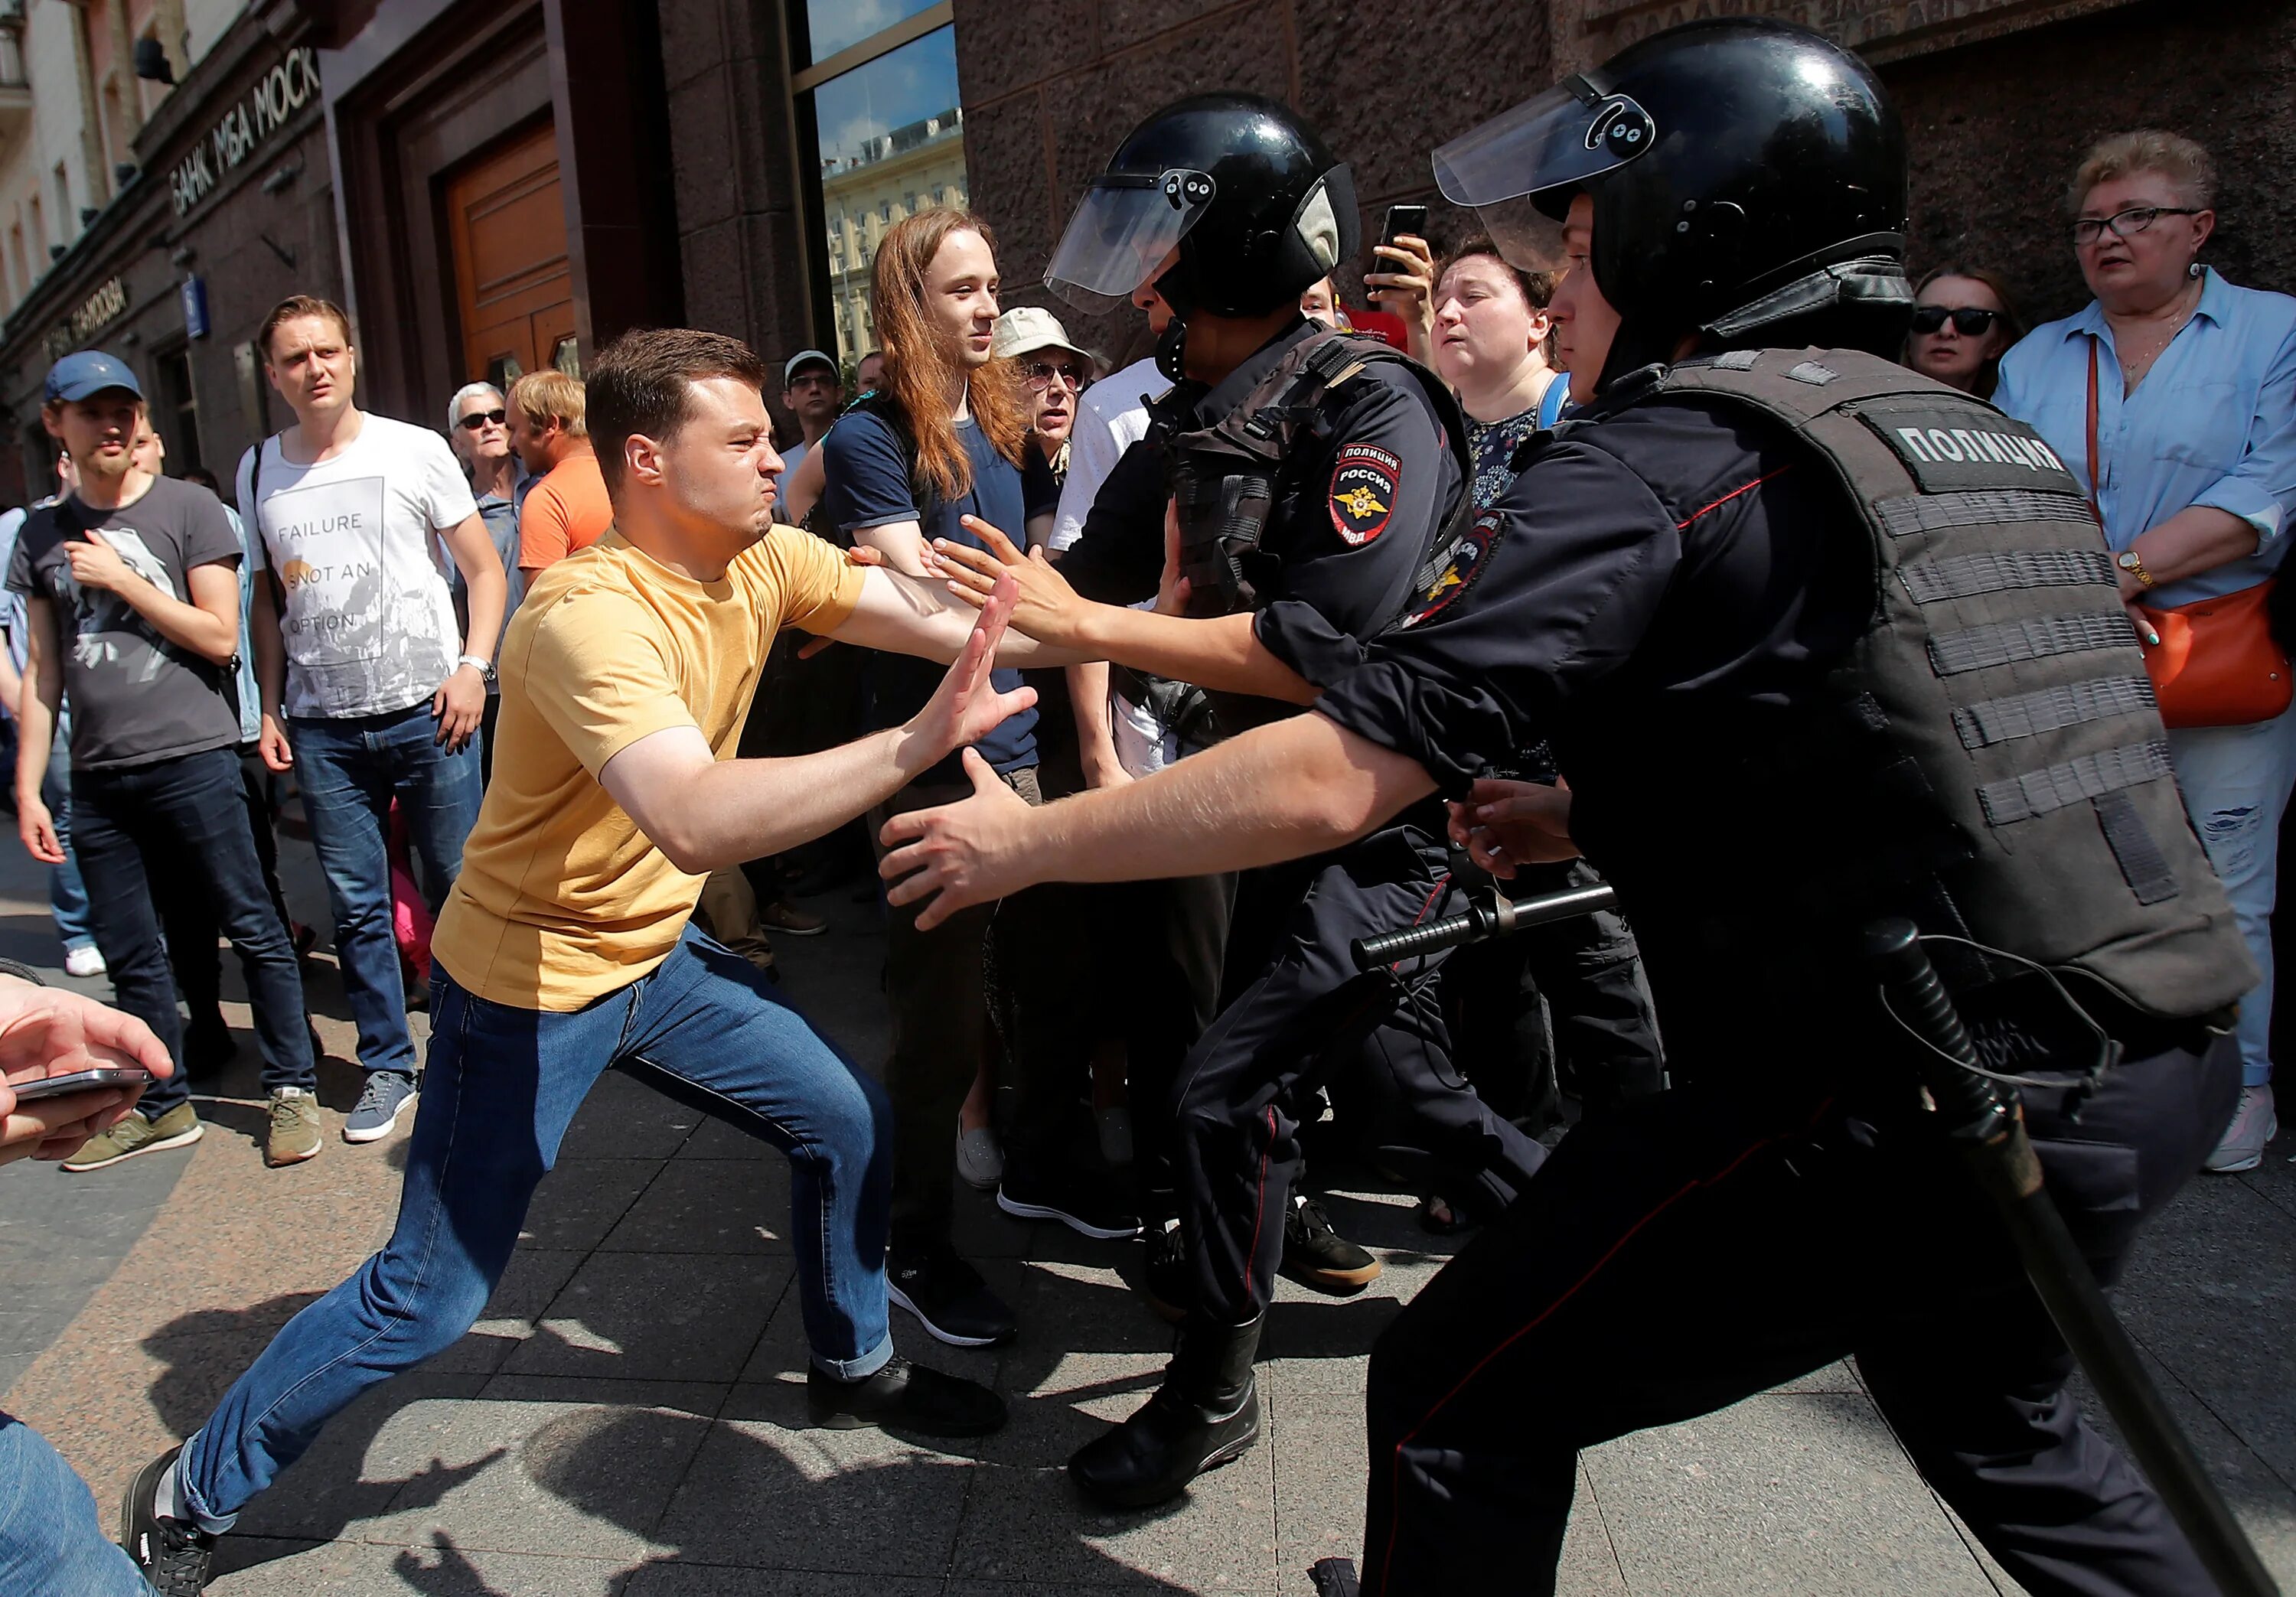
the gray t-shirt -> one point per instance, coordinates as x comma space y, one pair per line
135, 697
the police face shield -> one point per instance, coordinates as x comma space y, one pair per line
1518, 170
1124, 228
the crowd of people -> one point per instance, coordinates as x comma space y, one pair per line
565, 775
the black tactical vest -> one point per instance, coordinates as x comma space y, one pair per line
1987, 757
1226, 479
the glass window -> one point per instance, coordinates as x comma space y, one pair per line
890, 127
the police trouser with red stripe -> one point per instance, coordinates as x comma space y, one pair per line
1295, 1017
1680, 1253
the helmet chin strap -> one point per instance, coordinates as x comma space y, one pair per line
1172, 346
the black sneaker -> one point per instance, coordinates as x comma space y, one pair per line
1319, 1257
948, 1298
170, 1555
1164, 1281
903, 1396
1056, 1192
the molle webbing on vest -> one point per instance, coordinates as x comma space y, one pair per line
2009, 643
2012, 709
1997, 571
2090, 776
2051, 709
1936, 512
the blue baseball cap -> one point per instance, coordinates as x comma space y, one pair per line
87, 372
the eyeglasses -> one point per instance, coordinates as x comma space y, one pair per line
476, 419
2126, 223
1967, 320
1041, 372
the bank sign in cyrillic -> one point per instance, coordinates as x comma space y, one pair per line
245, 129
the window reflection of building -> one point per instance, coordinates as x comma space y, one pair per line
883, 111
866, 192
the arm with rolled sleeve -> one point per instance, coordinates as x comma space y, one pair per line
2261, 489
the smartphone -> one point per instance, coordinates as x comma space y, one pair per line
1402, 219
81, 1081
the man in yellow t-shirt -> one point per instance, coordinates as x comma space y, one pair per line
564, 949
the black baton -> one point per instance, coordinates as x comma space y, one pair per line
1985, 1122
1494, 919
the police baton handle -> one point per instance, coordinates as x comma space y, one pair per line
1986, 1123
1493, 918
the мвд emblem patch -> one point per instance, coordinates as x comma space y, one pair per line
1364, 484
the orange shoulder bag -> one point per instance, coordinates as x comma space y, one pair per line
2216, 664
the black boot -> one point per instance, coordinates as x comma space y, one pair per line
1206, 1413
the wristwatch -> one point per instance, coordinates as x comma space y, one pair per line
486, 668
2132, 563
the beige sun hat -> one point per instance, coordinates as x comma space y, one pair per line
1026, 328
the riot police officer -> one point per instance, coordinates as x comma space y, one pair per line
1310, 476
1815, 641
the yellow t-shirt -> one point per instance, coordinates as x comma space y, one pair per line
562, 899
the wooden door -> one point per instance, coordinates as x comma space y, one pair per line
508, 226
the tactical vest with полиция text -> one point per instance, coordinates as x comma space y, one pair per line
1997, 699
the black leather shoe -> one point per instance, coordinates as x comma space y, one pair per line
1316, 1255
903, 1396
1205, 1415
948, 1298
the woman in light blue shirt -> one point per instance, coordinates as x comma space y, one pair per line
2196, 383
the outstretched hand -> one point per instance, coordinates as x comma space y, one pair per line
967, 707
960, 855
1504, 824
1045, 607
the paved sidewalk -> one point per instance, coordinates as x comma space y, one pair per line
626, 1418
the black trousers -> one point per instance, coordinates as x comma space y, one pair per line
1297, 1014
1688, 1250
187, 912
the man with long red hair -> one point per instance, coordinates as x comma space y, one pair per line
944, 437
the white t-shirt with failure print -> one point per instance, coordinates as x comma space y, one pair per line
370, 623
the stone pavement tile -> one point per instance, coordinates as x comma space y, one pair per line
765, 1494
535, 1277
1025, 1521
2259, 1495
624, 1118
708, 1206
583, 1199
2209, 1291
656, 1317
980, 1230
2274, 1180
1316, 1440
1031, 1588
715, 1139
360, 1461
676, 1580
579, 1468
1802, 1494
781, 1355
286, 1569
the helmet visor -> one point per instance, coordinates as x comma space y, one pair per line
1563, 137
1124, 228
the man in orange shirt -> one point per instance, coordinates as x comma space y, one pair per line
568, 508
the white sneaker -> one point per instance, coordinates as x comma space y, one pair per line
979, 1158
84, 961
2253, 1125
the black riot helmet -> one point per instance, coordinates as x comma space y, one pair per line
1748, 187
1257, 206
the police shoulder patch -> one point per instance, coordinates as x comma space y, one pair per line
1469, 556
1364, 484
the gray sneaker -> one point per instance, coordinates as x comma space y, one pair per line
389, 1094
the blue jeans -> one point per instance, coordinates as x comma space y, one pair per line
50, 1537
146, 825
67, 893
349, 768
706, 1029
2236, 781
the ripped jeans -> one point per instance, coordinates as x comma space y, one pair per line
2237, 781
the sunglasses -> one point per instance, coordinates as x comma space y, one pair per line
482, 418
1041, 372
1968, 320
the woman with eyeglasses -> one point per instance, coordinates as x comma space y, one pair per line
2172, 398
1056, 371
1962, 326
